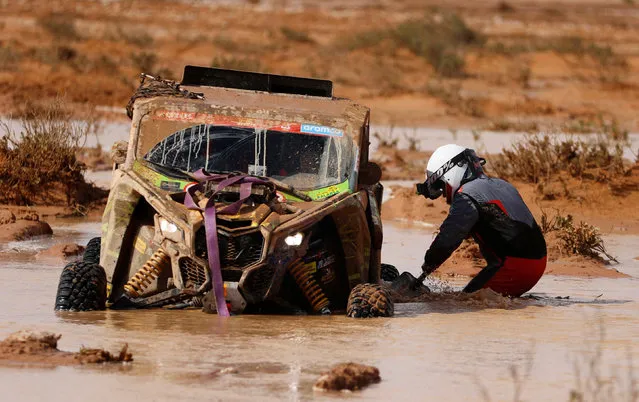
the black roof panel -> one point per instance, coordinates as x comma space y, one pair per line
217, 77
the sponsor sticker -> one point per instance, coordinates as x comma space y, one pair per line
140, 245
321, 130
280, 196
248, 122
170, 186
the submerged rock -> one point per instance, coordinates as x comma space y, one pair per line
347, 376
42, 347
62, 251
24, 230
6, 217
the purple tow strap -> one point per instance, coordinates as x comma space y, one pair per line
210, 222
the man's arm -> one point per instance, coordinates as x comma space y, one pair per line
461, 218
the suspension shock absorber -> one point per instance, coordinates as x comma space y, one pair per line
303, 276
149, 271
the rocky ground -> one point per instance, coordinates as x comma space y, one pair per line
38, 347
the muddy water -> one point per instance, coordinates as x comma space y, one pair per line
444, 349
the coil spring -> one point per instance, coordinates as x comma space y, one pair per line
196, 301
304, 278
149, 271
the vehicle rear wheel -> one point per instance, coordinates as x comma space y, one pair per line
82, 287
389, 273
92, 252
369, 300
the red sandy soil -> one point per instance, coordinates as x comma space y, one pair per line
41, 348
96, 54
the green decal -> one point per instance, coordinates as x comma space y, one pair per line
159, 180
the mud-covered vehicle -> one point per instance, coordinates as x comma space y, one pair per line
241, 192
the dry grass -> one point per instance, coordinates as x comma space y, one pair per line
295, 35
440, 39
237, 63
451, 95
39, 163
576, 239
60, 26
594, 382
539, 158
9, 57
603, 54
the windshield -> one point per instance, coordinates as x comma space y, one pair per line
302, 161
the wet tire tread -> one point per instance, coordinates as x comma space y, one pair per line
369, 300
92, 251
82, 287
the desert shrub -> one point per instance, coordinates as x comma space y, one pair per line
537, 158
61, 26
367, 39
225, 43
513, 126
576, 239
237, 63
135, 37
296, 36
9, 57
578, 46
41, 159
452, 96
387, 139
144, 61
439, 39
504, 7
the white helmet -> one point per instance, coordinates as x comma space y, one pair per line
448, 168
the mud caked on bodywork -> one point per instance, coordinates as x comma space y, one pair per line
300, 234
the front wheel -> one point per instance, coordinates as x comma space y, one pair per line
389, 273
82, 287
92, 252
369, 300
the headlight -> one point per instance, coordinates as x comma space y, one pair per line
294, 240
167, 227
170, 230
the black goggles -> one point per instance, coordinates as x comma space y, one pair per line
433, 187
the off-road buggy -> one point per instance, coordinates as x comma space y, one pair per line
239, 191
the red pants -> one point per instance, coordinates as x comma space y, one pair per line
517, 276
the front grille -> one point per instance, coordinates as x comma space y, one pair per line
235, 224
193, 274
235, 251
258, 281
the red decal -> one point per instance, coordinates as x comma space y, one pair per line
232, 121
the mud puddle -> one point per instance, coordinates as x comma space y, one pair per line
443, 349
